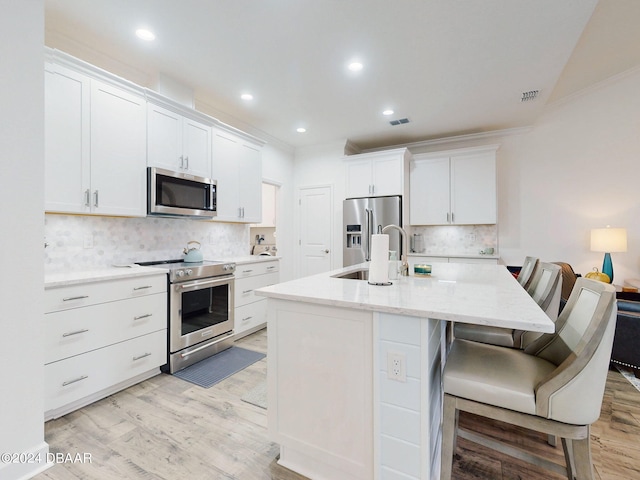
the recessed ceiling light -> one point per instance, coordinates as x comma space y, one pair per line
145, 34
246, 96
355, 66
388, 112
301, 129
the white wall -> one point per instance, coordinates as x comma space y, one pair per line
278, 168
22, 234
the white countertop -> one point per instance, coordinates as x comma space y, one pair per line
66, 278
454, 255
482, 294
247, 259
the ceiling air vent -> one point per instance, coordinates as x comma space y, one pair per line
529, 96
400, 121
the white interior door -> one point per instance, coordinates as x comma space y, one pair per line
316, 230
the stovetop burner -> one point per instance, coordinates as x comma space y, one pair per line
181, 271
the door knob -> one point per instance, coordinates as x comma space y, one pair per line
326, 251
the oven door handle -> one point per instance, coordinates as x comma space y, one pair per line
204, 283
191, 352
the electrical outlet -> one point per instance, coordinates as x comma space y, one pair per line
396, 366
88, 240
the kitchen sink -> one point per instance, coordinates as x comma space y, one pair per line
362, 274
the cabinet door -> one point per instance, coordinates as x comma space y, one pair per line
359, 181
67, 173
430, 192
250, 181
196, 146
387, 176
118, 151
473, 189
268, 205
164, 138
225, 171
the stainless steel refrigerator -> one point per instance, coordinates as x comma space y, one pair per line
362, 217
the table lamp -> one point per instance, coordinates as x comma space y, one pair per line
608, 240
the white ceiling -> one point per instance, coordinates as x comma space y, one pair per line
449, 66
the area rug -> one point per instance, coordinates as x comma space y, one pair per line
216, 368
628, 374
257, 396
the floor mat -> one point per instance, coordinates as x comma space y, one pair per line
216, 368
628, 374
257, 396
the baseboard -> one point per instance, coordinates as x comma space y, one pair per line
28, 465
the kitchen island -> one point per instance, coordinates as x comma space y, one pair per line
354, 387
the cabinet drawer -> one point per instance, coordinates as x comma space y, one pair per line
258, 268
92, 293
244, 288
70, 380
249, 316
72, 332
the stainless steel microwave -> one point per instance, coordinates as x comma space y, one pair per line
177, 194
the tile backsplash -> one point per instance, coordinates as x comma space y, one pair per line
458, 239
80, 242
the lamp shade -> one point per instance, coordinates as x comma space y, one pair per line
609, 240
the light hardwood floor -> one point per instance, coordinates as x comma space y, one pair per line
168, 429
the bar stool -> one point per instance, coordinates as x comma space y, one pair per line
526, 272
554, 386
545, 288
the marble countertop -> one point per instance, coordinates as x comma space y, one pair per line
454, 255
66, 278
247, 259
482, 294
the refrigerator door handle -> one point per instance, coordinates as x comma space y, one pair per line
367, 235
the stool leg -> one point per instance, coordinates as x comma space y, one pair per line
567, 448
582, 457
449, 417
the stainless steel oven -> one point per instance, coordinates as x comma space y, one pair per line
200, 310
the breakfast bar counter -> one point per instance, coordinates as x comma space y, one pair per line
354, 369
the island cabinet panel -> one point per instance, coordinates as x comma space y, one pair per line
320, 389
409, 413
251, 310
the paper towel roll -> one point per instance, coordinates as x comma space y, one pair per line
379, 267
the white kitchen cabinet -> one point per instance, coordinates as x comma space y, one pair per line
237, 167
377, 174
95, 147
101, 337
250, 309
177, 142
457, 187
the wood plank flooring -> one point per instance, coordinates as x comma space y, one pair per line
168, 429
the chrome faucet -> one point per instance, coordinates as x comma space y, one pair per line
404, 269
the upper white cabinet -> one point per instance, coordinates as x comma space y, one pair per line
177, 142
237, 167
377, 174
95, 147
269, 193
457, 187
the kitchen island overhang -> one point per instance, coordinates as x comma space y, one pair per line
333, 406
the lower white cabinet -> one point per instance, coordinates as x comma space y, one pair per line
250, 309
114, 338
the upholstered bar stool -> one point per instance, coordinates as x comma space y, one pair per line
554, 386
545, 288
526, 272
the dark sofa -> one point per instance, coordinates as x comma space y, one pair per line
626, 343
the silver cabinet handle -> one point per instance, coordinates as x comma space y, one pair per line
140, 317
239, 212
186, 161
68, 299
68, 334
270, 268
447, 217
247, 271
95, 198
452, 219
87, 198
142, 288
181, 161
247, 318
144, 355
69, 382
247, 291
